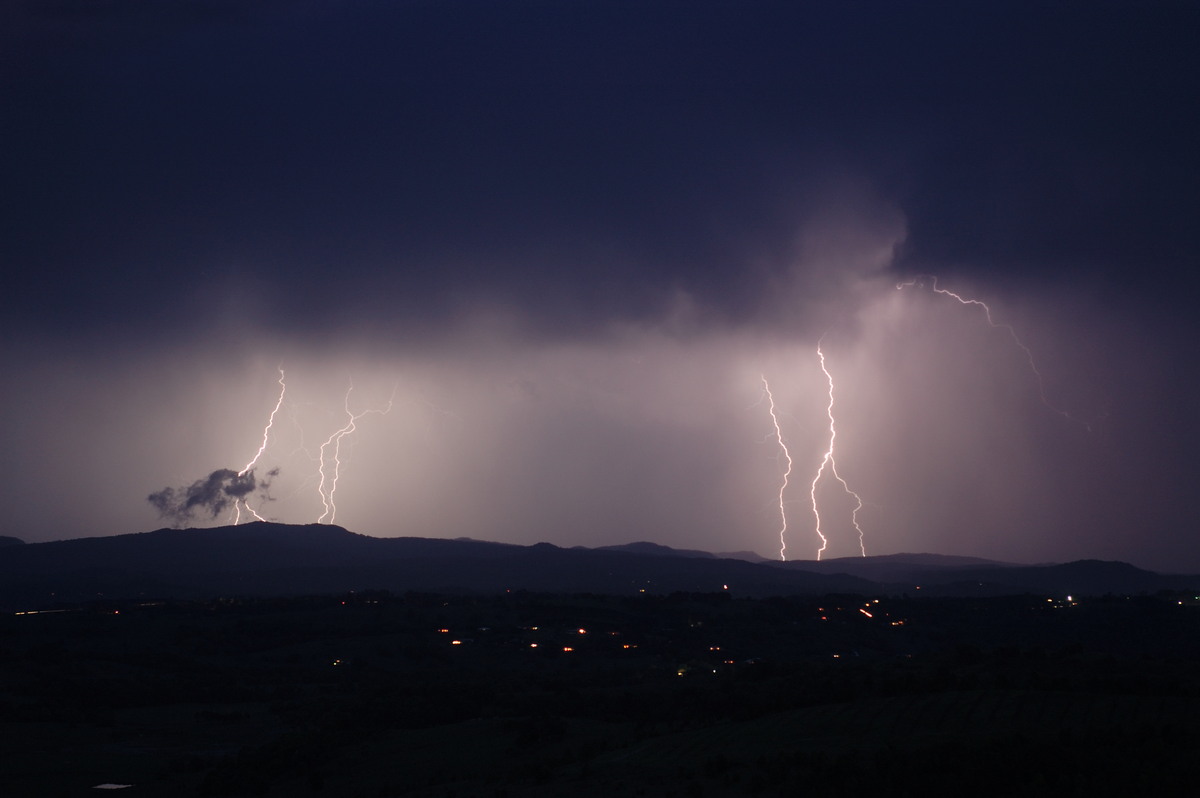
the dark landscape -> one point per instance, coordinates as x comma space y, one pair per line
263, 559
276, 660
670, 399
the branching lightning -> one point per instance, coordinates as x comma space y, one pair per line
237, 512
227, 491
237, 505
987, 312
270, 422
828, 460
333, 446
787, 472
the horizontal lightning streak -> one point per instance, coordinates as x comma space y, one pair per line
987, 312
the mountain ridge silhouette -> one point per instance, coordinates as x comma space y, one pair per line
270, 559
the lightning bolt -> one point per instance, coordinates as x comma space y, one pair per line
828, 460
237, 511
333, 444
237, 506
987, 313
787, 472
270, 422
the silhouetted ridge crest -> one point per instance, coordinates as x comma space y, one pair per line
263, 558
656, 549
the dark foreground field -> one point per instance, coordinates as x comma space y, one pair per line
545, 695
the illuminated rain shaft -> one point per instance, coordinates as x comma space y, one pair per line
333, 446
787, 472
829, 460
237, 506
987, 312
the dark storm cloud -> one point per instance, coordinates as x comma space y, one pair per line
213, 495
579, 234
321, 167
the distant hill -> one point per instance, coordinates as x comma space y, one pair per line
654, 549
944, 575
266, 559
644, 547
5, 540
278, 559
906, 569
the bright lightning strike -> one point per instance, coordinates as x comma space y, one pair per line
987, 312
270, 422
333, 444
237, 505
787, 472
828, 460
237, 511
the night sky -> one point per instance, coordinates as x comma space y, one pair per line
567, 241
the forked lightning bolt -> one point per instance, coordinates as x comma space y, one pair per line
270, 422
828, 460
787, 472
237, 505
987, 313
333, 444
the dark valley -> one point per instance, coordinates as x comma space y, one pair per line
836, 678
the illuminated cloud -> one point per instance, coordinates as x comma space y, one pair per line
576, 256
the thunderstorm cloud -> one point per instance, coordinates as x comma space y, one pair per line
575, 237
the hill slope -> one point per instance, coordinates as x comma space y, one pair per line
265, 559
